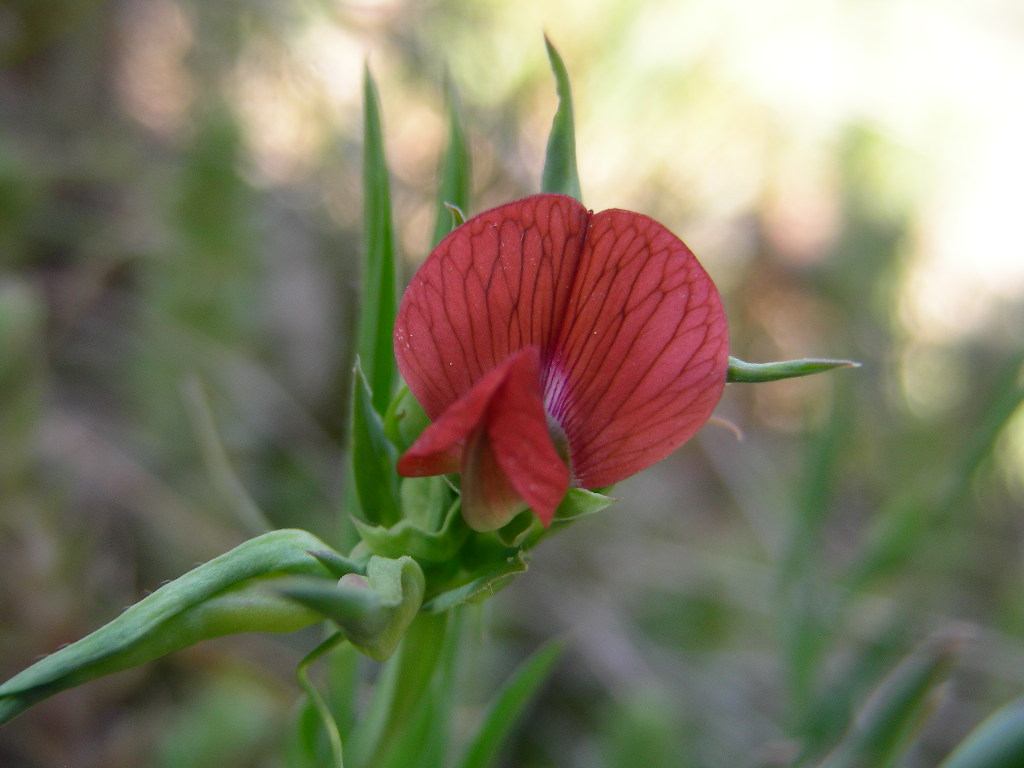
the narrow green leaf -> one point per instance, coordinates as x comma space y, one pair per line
373, 458
455, 171
560, 160
509, 705
380, 286
227, 595
756, 373
897, 709
997, 743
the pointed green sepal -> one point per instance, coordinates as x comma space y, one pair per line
480, 588
560, 173
407, 538
373, 458
579, 503
756, 373
372, 612
427, 501
227, 595
526, 531
405, 419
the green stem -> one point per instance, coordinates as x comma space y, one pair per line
302, 675
401, 688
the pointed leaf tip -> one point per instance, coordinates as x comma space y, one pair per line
379, 271
454, 189
560, 174
757, 373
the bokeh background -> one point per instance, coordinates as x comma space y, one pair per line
179, 243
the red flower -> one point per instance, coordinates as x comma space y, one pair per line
552, 346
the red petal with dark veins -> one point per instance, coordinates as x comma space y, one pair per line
641, 358
498, 283
632, 338
438, 450
517, 426
497, 435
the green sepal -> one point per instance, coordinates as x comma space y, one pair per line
515, 531
426, 501
223, 596
997, 743
560, 159
373, 613
525, 529
757, 373
373, 458
453, 191
379, 279
407, 538
479, 588
579, 503
405, 419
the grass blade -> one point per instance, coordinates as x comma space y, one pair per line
897, 709
509, 705
997, 743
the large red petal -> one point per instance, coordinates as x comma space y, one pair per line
641, 358
495, 285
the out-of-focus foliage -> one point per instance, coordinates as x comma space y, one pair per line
180, 223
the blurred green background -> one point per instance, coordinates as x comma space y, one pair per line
179, 243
